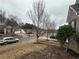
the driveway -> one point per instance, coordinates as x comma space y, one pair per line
23, 37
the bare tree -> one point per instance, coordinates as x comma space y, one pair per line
12, 21
2, 17
37, 15
48, 25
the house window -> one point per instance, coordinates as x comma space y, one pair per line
73, 24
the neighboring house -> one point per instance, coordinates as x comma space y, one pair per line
9, 27
73, 19
5, 29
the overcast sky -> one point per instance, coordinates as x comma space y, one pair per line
58, 9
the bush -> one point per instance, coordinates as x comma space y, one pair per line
63, 33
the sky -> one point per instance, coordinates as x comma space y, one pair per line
58, 9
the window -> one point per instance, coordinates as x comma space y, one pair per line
73, 24
9, 39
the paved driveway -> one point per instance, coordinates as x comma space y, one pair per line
23, 37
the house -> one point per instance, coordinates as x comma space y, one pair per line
73, 16
73, 19
9, 27
5, 29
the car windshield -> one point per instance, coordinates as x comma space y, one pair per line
9, 39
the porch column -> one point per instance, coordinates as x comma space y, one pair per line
4, 30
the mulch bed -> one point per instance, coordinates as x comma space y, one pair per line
51, 52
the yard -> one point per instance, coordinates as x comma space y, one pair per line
16, 50
29, 50
50, 52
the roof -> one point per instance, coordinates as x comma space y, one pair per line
76, 8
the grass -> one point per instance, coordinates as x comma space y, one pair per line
16, 50
13, 51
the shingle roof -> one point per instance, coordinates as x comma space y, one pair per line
76, 8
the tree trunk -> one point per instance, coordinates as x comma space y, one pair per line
68, 44
47, 35
37, 36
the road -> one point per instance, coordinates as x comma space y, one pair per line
23, 37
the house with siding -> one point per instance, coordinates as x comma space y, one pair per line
73, 16
73, 20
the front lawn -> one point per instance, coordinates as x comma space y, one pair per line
16, 50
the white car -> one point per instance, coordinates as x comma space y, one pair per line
7, 40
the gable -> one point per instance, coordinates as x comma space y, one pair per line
71, 14
76, 8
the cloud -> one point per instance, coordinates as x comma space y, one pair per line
58, 9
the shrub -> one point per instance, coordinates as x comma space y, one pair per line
63, 33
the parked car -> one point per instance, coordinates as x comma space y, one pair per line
1, 42
7, 40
